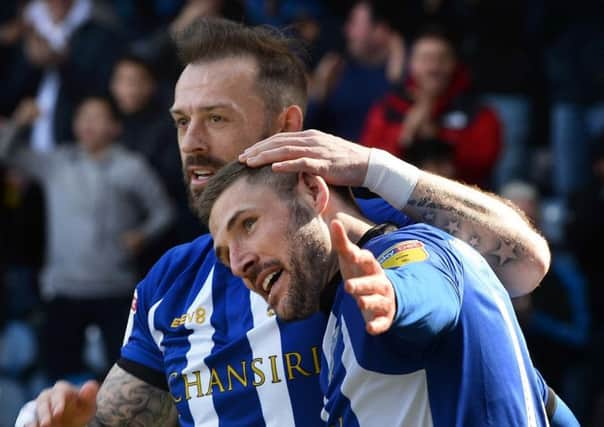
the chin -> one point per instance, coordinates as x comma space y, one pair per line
290, 314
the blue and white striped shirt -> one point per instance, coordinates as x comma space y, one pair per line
198, 332
455, 355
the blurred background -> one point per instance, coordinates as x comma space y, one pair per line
508, 96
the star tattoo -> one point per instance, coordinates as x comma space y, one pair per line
452, 227
505, 252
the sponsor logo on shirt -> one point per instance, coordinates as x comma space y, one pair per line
248, 373
196, 316
403, 253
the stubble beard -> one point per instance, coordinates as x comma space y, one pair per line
310, 264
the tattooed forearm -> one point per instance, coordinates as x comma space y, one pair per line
493, 226
125, 400
467, 221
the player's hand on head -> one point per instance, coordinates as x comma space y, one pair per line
65, 405
338, 161
365, 280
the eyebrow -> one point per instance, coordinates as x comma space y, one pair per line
234, 218
205, 109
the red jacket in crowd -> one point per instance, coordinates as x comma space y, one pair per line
473, 130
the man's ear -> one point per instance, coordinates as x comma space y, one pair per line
314, 190
290, 119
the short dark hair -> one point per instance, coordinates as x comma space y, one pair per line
140, 60
281, 74
99, 97
436, 32
283, 184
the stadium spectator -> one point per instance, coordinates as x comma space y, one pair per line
558, 317
584, 232
435, 102
68, 53
191, 320
343, 87
99, 215
501, 52
573, 45
148, 130
433, 156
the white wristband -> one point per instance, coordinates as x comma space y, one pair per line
27, 414
390, 177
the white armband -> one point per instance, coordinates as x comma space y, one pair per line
27, 414
390, 177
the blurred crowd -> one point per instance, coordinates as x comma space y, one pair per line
508, 96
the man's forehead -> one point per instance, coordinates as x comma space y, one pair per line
241, 68
231, 199
215, 83
240, 196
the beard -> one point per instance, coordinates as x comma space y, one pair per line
310, 265
193, 196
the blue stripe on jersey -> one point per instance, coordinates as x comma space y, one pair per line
303, 364
232, 318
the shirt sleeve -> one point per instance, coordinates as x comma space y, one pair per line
14, 151
427, 278
139, 344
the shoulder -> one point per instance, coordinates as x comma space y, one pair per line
420, 231
380, 211
416, 243
182, 260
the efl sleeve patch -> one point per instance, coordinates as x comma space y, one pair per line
402, 254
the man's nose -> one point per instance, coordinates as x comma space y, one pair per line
242, 262
194, 139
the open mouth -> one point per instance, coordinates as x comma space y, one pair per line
200, 176
270, 280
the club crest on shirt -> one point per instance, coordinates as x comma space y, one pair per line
403, 253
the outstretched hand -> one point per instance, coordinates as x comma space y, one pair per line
338, 161
365, 280
65, 405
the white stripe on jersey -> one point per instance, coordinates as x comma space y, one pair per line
201, 344
382, 399
158, 336
265, 339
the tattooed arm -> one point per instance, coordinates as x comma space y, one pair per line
517, 253
493, 226
125, 400
122, 400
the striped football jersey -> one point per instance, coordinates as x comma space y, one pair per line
454, 356
196, 331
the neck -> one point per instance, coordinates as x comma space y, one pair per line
97, 153
355, 224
